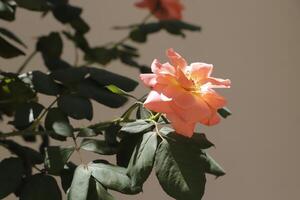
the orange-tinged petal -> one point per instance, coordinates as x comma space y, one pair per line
200, 70
157, 102
191, 107
214, 100
149, 79
176, 59
213, 120
183, 80
181, 127
218, 82
142, 4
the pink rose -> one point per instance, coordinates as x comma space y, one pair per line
184, 93
163, 9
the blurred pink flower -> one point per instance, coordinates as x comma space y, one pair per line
184, 93
163, 9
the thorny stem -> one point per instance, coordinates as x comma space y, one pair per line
22, 67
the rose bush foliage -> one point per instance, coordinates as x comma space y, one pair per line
155, 133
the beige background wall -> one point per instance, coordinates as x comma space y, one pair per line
255, 43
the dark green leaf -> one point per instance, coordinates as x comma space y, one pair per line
117, 90
100, 55
224, 112
76, 107
80, 183
180, 171
98, 192
91, 89
139, 126
66, 13
176, 27
7, 10
43, 83
70, 75
50, 45
142, 159
54, 63
11, 36
8, 50
110, 134
66, 175
56, 157
78, 39
86, 132
142, 112
80, 25
211, 166
34, 5
138, 35
113, 177
11, 171
26, 113
197, 141
98, 146
126, 148
55, 115
105, 77
40, 186
63, 128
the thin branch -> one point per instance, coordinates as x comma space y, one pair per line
22, 67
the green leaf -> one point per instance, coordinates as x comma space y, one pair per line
56, 157
80, 183
66, 175
11, 36
28, 155
126, 148
11, 171
113, 177
142, 112
87, 132
224, 112
33, 5
105, 77
98, 146
44, 84
70, 76
179, 171
55, 115
40, 186
7, 50
75, 106
98, 192
26, 113
91, 89
63, 128
197, 141
140, 33
7, 10
80, 25
118, 90
66, 13
211, 166
177, 27
139, 126
142, 159
100, 55
50, 45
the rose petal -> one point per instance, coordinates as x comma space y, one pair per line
181, 127
213, 120
200, 71
176, 59
158, 103
149, 79
214, 100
